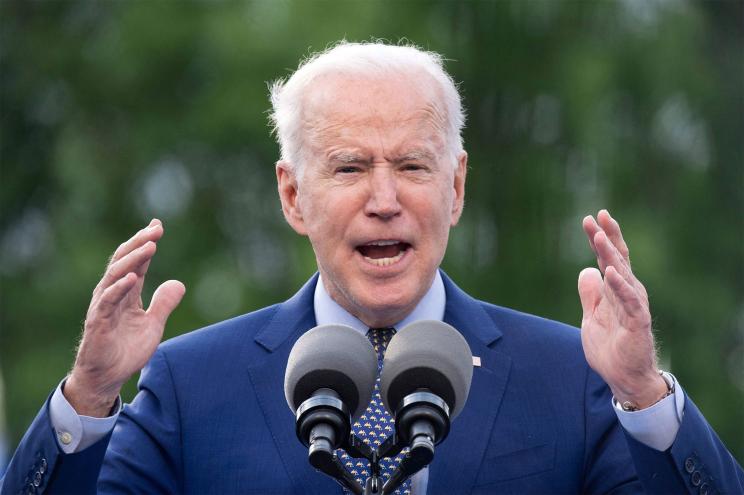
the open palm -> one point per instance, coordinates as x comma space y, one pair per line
616, 325
120, 336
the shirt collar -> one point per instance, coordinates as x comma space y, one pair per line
430, 307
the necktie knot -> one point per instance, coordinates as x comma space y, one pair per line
380, 338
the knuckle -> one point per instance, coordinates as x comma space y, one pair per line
91, 321
113, 266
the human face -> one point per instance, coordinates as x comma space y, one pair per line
379, 191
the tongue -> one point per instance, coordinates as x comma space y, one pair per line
377, 252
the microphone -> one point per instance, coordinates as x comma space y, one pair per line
329, 380
425, 382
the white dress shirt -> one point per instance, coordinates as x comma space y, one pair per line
655, 426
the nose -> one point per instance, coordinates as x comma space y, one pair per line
383, 194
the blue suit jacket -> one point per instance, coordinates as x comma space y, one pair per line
210, 417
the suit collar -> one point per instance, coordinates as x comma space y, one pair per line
467, 315
293, 314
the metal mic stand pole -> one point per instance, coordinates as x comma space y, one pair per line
373, 486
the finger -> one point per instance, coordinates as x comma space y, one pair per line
608, 255
113, 295
612, 229
132, 262
590, 290
165, 299
591, 228
153, 232
141, 271
624, 292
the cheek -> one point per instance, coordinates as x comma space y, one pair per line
435, 215
443, 205
326, 221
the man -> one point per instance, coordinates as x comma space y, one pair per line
373, 172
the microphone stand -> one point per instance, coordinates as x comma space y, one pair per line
422, 421
414, 460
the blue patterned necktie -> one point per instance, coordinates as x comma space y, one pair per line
375, 425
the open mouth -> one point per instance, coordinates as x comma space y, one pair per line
383, 253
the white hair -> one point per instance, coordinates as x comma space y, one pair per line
363, 59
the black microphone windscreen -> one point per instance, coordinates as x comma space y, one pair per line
431, 355
335, 357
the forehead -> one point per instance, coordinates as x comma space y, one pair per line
403, 110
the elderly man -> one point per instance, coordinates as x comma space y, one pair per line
373, 172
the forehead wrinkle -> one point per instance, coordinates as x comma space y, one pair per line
317, 135
435, 114
412, 145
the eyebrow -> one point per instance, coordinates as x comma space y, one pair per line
415, 155
345, 157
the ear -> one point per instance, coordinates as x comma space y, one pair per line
458, 201
289, 192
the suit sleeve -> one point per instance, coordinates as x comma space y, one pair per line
141, 455
696, 463
40, 466
697, 459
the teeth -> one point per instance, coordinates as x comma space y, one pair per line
385, 261
382, 243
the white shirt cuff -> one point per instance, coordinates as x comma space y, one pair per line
655, 426
75, 432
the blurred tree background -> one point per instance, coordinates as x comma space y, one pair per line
116, 112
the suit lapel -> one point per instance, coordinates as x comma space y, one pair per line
291, 320
463, 450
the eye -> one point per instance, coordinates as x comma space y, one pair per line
348, 169
412, 167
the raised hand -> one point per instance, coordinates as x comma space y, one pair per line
616, 325
119, 335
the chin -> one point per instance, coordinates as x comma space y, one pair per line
385, 306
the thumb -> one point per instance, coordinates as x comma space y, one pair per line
590, 290
165, 299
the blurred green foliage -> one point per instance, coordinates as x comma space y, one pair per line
116, 112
